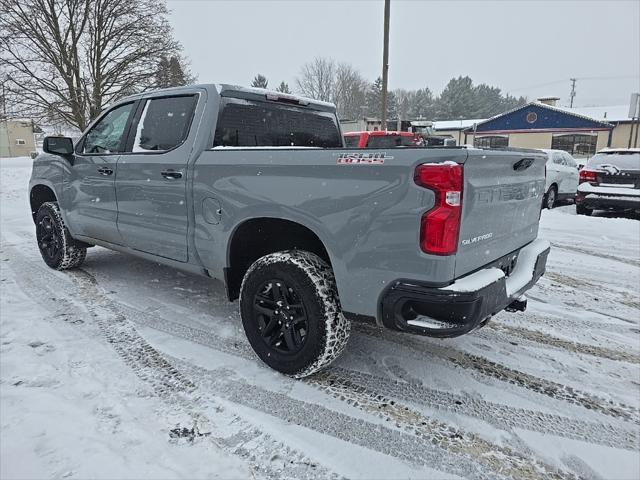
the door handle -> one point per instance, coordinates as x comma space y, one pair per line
171, 174
105, 171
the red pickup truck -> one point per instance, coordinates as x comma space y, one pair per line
382, 139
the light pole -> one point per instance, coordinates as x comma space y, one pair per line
385, 63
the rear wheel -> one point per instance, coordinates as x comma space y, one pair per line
551, 197
291, 312
58, 249
582, 210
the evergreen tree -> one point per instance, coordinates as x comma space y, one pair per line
457, 100
163, 77
176, 73
373, 101
172, 72
284, 88
260, 81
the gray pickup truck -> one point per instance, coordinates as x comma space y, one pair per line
257, 189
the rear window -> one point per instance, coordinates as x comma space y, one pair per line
351, 140
622, 160
389, 141
245, 123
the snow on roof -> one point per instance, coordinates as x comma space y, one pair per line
608, 113
456, 124
570, 111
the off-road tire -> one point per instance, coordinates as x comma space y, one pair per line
66, 252
314, 284
582, 210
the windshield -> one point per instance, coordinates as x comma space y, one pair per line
621, 160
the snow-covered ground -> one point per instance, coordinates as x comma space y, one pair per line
128, 369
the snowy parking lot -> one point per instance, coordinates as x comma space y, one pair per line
128, 369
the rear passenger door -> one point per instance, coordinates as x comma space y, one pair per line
151, 182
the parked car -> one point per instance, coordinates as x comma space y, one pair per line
562, 178
610, 181
256, 188
382, 139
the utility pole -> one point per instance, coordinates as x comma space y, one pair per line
385, 63
573, 91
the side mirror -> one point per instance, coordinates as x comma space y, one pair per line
58, 146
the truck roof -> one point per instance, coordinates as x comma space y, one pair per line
237, 91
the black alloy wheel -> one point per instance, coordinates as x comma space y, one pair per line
281, 317
49, 240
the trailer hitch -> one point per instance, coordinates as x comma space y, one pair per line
519, 305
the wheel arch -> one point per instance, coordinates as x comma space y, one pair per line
39, 194
255, 237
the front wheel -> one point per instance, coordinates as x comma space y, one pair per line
291, 312
551, 197
58, 249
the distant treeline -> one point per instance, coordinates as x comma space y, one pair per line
356, 97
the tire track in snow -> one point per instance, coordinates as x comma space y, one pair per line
166, 381
509, 375
410, 436
501, 416
542, 338
574, 249
177, 389
206, 338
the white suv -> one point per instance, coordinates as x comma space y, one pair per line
610, 181
562, 177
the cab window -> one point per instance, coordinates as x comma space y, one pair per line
351, 141
390, 141
108, 135
164, 123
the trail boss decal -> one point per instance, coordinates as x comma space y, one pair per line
376, 158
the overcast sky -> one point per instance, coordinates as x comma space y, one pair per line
528, 48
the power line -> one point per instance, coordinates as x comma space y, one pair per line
556, 82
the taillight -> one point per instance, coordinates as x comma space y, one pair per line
440, 226
588, 176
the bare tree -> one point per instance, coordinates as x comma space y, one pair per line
349, 91
67, 59
316, 79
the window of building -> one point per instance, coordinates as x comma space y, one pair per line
20, 141
245, 123
582, 145
164, 123
492, 141
107, 136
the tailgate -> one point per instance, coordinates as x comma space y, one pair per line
501, 205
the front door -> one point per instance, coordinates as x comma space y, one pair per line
89, 195
151, 182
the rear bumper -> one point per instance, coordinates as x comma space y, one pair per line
466, 304
604, 202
